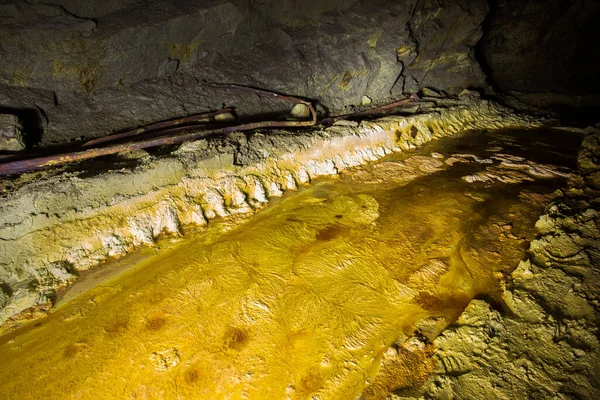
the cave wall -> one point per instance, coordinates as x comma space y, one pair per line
73, 69
543, 46
89, 68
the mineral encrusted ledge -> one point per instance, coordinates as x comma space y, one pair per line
54, 226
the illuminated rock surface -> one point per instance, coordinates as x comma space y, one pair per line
318, 294
545, 345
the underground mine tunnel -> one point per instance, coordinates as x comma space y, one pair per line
334, 199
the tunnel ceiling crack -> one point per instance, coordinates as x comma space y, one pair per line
62, 9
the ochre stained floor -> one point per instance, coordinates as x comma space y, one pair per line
318, 294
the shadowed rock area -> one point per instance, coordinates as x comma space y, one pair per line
86, 69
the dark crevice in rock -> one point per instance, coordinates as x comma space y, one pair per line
478, 49
63, 10
412, 39
32, 121
43, 113
7, 289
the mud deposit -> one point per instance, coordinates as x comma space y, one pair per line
335, 290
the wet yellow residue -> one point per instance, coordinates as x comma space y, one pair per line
318, 294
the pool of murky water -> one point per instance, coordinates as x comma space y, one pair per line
306, 297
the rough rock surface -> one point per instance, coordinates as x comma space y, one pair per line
52, 226
544, 344
90, 68
10, 133
74, 69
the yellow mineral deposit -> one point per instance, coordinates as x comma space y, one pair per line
317, 295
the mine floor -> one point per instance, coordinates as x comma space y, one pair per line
305, 297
